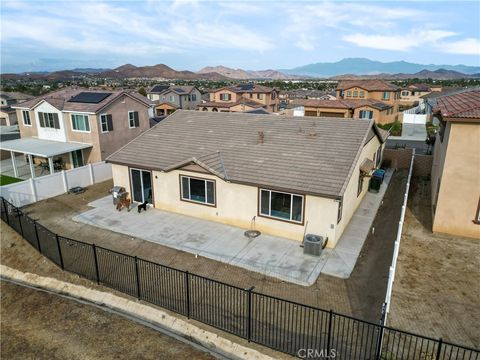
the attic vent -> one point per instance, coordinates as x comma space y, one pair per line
261, 137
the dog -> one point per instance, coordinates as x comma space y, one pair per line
123, 203
142, 206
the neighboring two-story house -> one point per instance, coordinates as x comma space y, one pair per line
365, 109
377, 90
240, 98
8, 116
413, 94
456, 165
73, 127
169, 98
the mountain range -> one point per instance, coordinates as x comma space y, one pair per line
351, 68
362, 66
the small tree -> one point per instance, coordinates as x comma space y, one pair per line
142, 91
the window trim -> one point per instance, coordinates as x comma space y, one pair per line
88, 122
259, 206
106, 123
133, 127
29, 118
387, 97
214, 205
339, 210
360, 181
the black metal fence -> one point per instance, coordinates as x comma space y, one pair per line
283, 325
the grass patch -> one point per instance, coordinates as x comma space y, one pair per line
5, 180
395, 128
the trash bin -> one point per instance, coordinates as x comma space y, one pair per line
380, 173
312, 244
374, 185
118, 192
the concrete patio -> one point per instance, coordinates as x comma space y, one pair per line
270, 255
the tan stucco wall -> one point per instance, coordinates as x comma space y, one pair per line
236, 204
121, 134
380, 117
27, 131
215, 96
350, 199
459, 191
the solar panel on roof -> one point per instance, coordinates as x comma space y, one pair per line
90, 97
246, 86
159, 88
178, 90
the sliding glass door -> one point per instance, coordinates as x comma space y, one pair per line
141, 185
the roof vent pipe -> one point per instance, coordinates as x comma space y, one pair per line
261, 137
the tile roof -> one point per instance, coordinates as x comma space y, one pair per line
60, 100
298, 154
177, 89
221, 104
246, 88
465, 105
341, 103
369, 85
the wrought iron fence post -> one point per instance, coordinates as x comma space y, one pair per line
249, 312
59, 252
6, 211
95, 260
378, 351
329, 337
137, 277
36, 236
187, 290
17, 210
440, 342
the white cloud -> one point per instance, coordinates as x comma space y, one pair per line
398, 42
468, 46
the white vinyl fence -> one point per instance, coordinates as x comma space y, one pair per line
44, 187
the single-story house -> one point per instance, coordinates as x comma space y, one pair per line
292, 175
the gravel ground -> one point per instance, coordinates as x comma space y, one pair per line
436, 290
39, 325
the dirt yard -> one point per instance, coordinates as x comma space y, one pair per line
358, 296
39, 325
436, 289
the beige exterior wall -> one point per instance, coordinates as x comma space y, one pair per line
215, 96
25, 130
393, 100
265, 98
351, 200
327, 112
456, 179
121, 134
407, 98
236, 204
380, 117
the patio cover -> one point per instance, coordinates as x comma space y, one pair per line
41, 147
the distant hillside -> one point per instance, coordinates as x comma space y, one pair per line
157, 71
122, 72
362, 66
241, 74
440, 74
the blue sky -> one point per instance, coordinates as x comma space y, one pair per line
53, 35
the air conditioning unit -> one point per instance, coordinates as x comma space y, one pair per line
313, 244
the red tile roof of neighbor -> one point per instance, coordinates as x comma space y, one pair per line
369, 85
465, 105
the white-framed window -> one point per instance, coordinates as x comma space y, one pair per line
26, 118
355, 93
362, 93
80, 122
106, 123
386, 95
172, 99
133, 120
349, 93
274, 95
193, 97
282, 206
366, 114
49, 120
260, 96
197, 190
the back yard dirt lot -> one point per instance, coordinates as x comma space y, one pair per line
361, 295
436, 289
